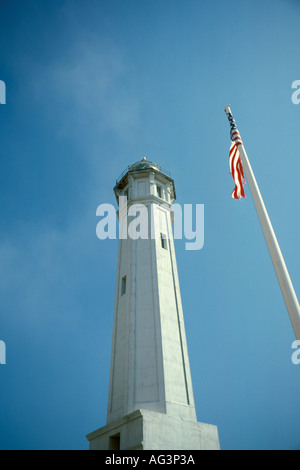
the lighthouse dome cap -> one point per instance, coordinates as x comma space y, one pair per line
144, 164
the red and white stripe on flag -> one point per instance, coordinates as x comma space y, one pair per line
236, 169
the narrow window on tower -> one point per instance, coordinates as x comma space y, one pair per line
163, 240
159, 191
123, 286
114, 442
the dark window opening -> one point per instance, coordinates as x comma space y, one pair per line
163, 240
123, 286
114, 442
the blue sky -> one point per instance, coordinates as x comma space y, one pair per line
92, 87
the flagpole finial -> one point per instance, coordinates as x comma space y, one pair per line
227, 109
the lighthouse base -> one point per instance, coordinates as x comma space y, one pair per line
149, 430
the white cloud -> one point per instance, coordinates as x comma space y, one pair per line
91, 87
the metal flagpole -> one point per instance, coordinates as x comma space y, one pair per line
283, 277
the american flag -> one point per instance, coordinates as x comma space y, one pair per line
235, 163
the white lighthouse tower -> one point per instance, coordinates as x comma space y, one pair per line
151, 403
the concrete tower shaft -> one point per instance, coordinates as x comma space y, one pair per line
149, 363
